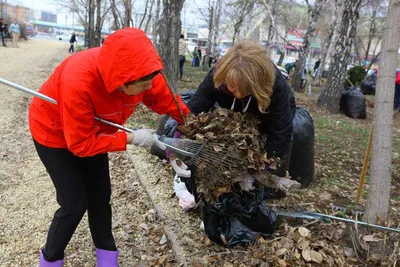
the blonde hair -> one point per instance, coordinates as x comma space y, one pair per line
248, 68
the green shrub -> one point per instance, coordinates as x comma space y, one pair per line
356, 75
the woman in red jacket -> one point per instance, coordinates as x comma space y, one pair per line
108, 82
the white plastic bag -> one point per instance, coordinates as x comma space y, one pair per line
186, 200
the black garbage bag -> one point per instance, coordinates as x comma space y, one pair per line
301, 166
352, 103
368, 87
238, 218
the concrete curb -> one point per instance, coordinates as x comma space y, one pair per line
169, 233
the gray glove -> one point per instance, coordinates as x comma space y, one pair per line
145, 138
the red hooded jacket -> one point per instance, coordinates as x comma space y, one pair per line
87, 84
398, 78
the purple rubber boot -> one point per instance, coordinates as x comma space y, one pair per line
44, 263
106, 258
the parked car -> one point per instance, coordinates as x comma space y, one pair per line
30, 31
63, 37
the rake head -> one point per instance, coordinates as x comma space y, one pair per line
202, 154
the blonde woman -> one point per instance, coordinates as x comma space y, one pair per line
246, 80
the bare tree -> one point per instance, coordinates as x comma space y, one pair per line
91, 15
328, 38
156, 29
381, 161
241, 9
330, 95
211, 11
169, 32
313, 12
128, 13
217, 19
149, 16
116, 15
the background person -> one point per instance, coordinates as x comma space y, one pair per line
2, 28
108, 82
15, 31
182, 50
72, 41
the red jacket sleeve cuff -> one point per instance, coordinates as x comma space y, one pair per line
119, 143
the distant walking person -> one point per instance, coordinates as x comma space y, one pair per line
2, 27
182, 50
15, 31
316, 67
71, 42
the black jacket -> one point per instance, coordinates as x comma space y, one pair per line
72, 39
276, 124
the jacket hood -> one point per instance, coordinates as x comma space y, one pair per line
127, 55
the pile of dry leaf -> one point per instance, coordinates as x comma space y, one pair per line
233, 146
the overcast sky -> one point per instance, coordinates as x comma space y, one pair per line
190, 15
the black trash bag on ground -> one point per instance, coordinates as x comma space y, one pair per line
301, 166
352, 103
238, 218
368, 87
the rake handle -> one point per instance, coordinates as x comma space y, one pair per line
365, 166
53, 101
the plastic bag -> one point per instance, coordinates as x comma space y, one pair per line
238, 218
368, 87
352, 103
301, 166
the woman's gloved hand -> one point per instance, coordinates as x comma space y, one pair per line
144, 138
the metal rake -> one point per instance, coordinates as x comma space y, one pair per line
200, 153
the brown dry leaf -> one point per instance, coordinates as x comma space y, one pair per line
161, 260
349, 252
316, 256
371, 238
282, 263
280, 252
303, 243
306, 254
304, 232
199, 137
217, 148
163, 239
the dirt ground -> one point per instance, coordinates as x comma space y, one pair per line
149, 226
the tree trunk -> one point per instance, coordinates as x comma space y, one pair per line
144, 14
236, 30
170, 31
330, 95
371, 34
149, 17
218, 8
381, 161
128, 13
114, 12
304, 50
97, 30
328, 40
156, 29
210, 33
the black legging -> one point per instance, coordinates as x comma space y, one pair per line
81, 184
71, 48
